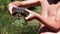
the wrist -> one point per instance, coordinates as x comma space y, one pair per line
38, 17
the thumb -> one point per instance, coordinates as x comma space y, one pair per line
10, 6
28, 17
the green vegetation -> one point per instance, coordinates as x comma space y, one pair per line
16, 25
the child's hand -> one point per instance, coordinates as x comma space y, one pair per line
10, 7
32, 15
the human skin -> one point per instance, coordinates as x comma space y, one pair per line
49, 16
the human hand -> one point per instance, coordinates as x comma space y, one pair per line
32, 15
10, 7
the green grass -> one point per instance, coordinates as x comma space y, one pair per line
14, 25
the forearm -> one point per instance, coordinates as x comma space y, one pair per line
27, 3
50, 24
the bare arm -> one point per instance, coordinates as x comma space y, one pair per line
51, 24
54, 25
27, 3
44, 11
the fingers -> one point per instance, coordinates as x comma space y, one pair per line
28, 10
10, 6
28, 17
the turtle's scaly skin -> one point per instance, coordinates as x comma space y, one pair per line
20, 11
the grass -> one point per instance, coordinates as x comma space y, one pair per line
14, 25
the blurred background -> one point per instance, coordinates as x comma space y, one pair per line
16, 25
